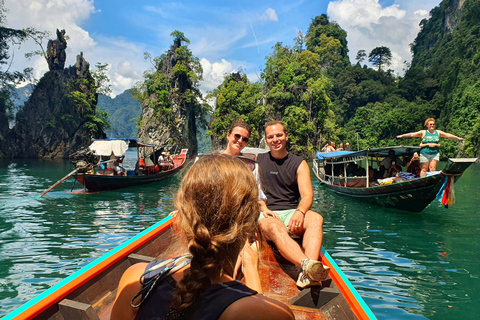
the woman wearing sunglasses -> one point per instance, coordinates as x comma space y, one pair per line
238, 135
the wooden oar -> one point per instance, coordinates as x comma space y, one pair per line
59, 181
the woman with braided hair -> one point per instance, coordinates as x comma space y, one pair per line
217, 213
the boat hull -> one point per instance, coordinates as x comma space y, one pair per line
97, 182
413, 196
89, 293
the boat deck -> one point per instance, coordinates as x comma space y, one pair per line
279, 278
89, 293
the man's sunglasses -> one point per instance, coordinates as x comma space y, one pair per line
238, 137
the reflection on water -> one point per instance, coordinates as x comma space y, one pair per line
405, 265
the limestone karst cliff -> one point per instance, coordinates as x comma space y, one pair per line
59, 116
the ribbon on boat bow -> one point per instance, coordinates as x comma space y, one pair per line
446, 194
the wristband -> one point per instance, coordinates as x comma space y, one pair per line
300, 211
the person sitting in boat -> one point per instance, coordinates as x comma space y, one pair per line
238, 135
326, 147
286, 179
162, 162
394, 169
430, 152
386, 163
217, 213
140, 167
115, 165
169, 160
413, 166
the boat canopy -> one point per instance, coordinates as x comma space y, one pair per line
382, 152
105, 147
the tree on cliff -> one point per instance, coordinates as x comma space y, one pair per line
329, 41
295, 90
380, 56
236, 98
171, 90
8, 78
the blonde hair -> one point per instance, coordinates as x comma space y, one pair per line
218, 210
428, 120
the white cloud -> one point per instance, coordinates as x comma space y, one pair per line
269, 15
370, 25
122, 55
214, 73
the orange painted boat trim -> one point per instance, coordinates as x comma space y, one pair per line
359, 307
58, 292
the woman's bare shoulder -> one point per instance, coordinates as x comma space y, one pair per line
257, 307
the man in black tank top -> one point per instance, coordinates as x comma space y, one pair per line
286, 180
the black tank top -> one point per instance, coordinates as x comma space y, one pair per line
279, 180
209, 305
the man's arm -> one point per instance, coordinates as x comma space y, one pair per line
305, 187
306, 194
266, 212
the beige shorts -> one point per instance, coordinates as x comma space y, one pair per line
425, 157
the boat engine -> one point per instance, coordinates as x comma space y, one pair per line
83, 166
84, 160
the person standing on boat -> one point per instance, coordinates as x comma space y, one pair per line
286, 179
217, 213
430, 152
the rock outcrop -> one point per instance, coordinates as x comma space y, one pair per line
56, 119
56, 55
178, 126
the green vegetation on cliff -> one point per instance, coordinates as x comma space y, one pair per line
321, 96
171, 91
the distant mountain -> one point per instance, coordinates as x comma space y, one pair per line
19, 97
124, 109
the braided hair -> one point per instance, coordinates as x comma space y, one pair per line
218, 210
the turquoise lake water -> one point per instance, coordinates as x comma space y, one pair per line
404, 265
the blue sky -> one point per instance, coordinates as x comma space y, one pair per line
225, 36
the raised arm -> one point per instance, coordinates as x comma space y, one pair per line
417, 134
442, 134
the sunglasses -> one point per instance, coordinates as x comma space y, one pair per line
238, 137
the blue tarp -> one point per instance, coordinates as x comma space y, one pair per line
382, 152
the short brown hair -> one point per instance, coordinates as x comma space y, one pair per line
275, 122
240, 123
428, 120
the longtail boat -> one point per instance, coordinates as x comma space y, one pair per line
88, 294
409, 194
96, 175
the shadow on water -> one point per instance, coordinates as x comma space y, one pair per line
408, 265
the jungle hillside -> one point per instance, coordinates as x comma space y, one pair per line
311, 84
